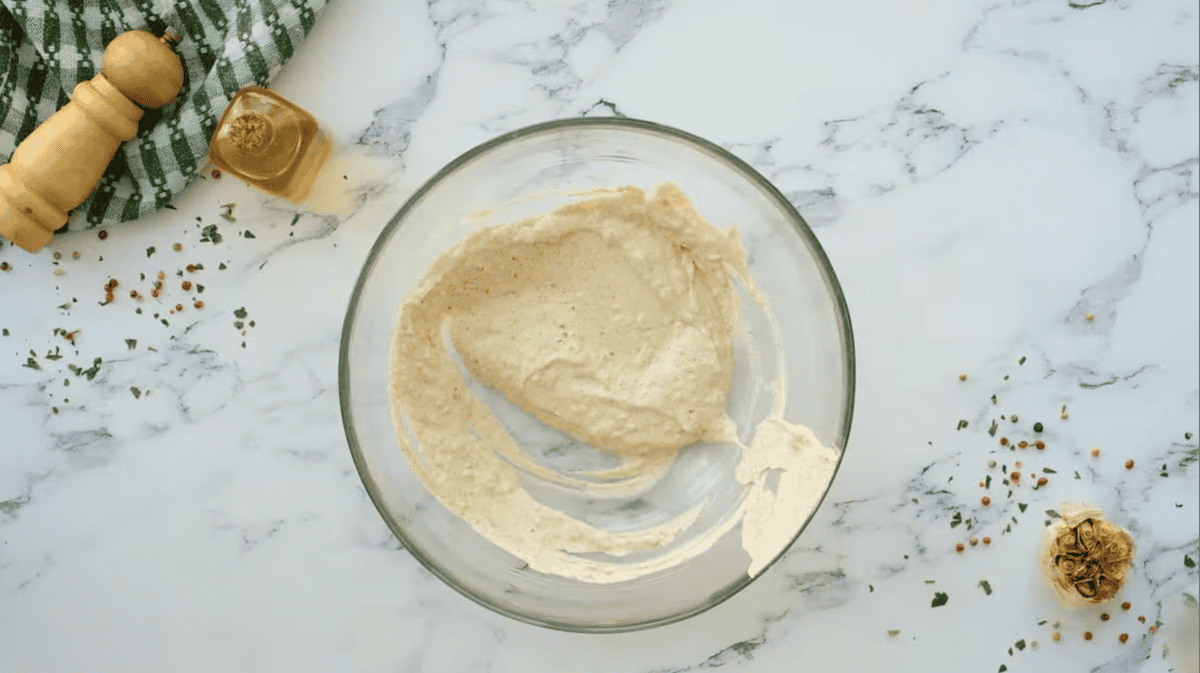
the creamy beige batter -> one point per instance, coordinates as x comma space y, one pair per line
612, 320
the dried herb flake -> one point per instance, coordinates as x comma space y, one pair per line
986, 586
939, 599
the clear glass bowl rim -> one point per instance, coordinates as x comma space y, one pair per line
719, 153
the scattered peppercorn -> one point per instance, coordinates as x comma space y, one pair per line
1126, 605
987, 540
191, 268
69, 337
199, 304
962, 377
1004, 441
177, 247
959, 547
974, 541
1087, 635
986, 501
1014, 418
179, 307
1015, 476
1040, 445
3, 266
1023, 445
1142, 618
1123, 638
133, 293
1056, 637
75, 255
187, 285
982, 485
161, 275
103, 234
1129, 464
154, 292
1095, 453
216, 173
1153, 629
112, 283
1089, 317
1042, 481
1104, 616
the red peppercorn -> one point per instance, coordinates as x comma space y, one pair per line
108, 297
112, 282
1129, 464
179, 307
3, 266
986, 501
1042, 481
1095, 453
1126, 605
1087, 635
1040, 444
1004, 441
987, 540
216, 173
154, 292
199, 304
1142, 618
959, 547
133, 293
191, 268
1015, 476
1153, 629
1023, 445
187, 285
69, 337
1123, 637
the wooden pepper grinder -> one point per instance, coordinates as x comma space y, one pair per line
60, 163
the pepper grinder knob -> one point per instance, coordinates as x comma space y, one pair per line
54, 169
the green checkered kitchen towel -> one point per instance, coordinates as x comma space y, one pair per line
48, 47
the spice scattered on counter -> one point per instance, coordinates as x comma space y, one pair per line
962, 377
1142, 618
1126, 605
216, 174
1089, 317
1041, 446
103, 234
987, 540
1087, 635
1124, 637
1104, 617
959, 547
1129, 464
1095, 453
986, 501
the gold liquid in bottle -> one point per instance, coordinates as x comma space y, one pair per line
270, 143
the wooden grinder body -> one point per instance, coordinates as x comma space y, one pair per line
54, 169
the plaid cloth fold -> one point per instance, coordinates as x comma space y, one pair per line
48, 47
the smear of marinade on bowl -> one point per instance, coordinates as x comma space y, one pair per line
611, 320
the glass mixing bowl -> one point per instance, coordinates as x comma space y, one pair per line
531, 171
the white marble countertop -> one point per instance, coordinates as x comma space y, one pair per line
1007, 190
